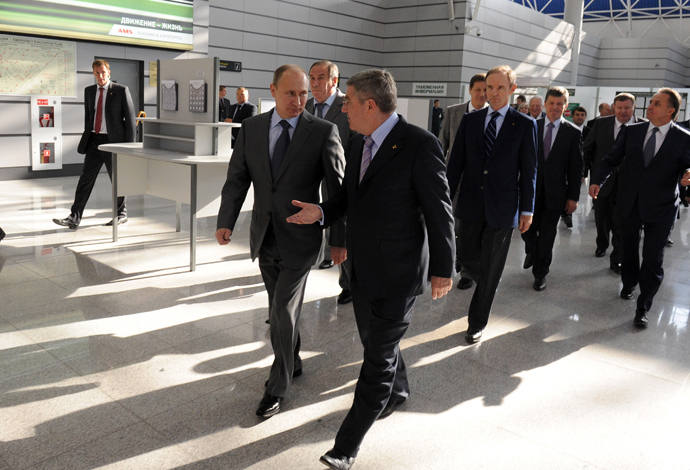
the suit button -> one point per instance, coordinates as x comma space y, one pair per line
486, 172
481, 187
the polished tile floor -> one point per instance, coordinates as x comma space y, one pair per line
115, 356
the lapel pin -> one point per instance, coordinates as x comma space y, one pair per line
395, 146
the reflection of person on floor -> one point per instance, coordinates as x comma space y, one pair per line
399, 234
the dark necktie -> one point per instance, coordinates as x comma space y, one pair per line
547, 140
280, 149
366, 156
490, 134
319, 109
99, 112
650, 147
237, 108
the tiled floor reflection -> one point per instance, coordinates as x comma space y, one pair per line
115, 356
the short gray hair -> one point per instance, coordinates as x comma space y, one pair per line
377, 85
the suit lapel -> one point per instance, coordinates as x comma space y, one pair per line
299, 137
391, 145
540, 146
262, 139
506, 129
670, 136
335, 108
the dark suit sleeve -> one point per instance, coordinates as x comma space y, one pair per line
236, 185
333, 158
128, 117
456, 161
590, 146
253, 110
431, 187
575, 166
612, 159
528, 167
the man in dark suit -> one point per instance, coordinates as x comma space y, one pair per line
284, 153
223, 106
653, 157
449, 130
495, 156
604, 110
436, 118
559, 175
240, 111
327, 103
536, 107
109, 118
399, 233
598, 143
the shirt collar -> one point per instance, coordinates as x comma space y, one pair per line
662, 129
503, 111
275, 120
556, 123
329, 101
381, 132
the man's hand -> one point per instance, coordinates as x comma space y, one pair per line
228, 120
223, 236
686, 179
594, 191
309, 214
525, 222
338, 254
440, 286
570, 206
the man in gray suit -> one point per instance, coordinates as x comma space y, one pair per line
327, 104
598, 143
285, 154
449, 128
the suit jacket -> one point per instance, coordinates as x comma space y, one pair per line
559, 177
598, 143
400, 227
246, 111
684, 124
450, 125
336, 115
224, 110
502, 185
314, 153
119, 115
655, 187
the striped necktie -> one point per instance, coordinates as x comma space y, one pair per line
366, 156
490, 134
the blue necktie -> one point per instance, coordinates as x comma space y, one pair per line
280, 149
490, 134
650, 147
319, 109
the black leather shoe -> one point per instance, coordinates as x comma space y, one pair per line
68, 222
568, 219
465, 283
269, 406
337, 460
616, 268
539, 284
627, 293
669, 242
120, 221
325, 264
473, 335
600, 253
390, 407
345, 297
640, 320
528, 261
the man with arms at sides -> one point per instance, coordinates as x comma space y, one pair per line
283, 153
240, 111
399, 233
451, 123
604, 110
109, 118
598, 143
559, 176
327, 103
436, 118
494, 159
536, 107
653, 157
223, 106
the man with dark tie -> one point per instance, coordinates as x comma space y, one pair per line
449, 130
399, 234
240, 111
327, 103
652, 157
223, 106
494, 160
283, 153
109, 118
598, 143
559, 175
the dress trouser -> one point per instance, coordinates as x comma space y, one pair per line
285, 287
484, 250
650, 274
93, 162
540, 237
382, 323
607, 223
